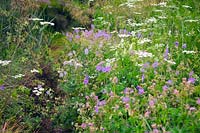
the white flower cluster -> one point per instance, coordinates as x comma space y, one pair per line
159, 45
191, 20
4, 62
162, 4
124, 35
38, 90
144, 40
73, 62
47, 23
78, 28
170, 61
151, 20
186, 6
18, 76
35, 19
62, 73
34, 71
188, 52
143, 54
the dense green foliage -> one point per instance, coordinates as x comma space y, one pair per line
100, 66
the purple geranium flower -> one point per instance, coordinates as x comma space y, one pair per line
102, 103
140, 90
184, 46
86, 80
96, 108
83, 125
106, 69
176, 43
165, 87
198, 101
191, 80
125, 99
170, 82
155, 64
2, 87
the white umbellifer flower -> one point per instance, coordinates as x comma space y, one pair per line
18, 76
151, 20
73, 62
144, 40
34, 71
143, 54
188, 52
78, 28
35, 19
158, 10
186, 6
5, 62
191, 20
41, 89
159, 45
38, 90
124, 35
170, 61
162, 17
47, 23
162, 4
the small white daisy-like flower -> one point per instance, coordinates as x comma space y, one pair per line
34, 71
5, 62
144, 40
186, 6
18, 76
170, 61
35, 19
47, 23
124, 35
191, 20
78, 28
143, 54
188, 52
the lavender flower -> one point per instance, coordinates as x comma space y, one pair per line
176, 43
2, 87
198, 101
86, 80
184, 46
191, 80
128, 90
99, 68
146, 65
143, 77
96, 108
155, 64
106, 69
83, 125
151, 103
86, 51
170, 82
166, 53
140, 90
125, 99
165, 87
102, 103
